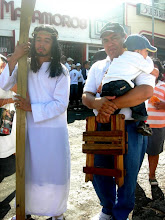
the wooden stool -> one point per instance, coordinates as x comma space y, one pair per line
112, 142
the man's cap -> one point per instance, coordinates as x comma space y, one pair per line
112, 28
3, 57
69, 59
78, 64
73, 66
138, 42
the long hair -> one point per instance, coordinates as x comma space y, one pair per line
157, 62
55, 67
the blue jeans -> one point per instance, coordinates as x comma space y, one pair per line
73, 93
121, 202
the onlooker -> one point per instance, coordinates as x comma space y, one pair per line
47, 154
156, 120
3, 61
80, 81
162, 69
69, 63
85, 69
7, 138
99, 55
63, 59
74, 77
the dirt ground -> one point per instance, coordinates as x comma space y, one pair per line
83, 202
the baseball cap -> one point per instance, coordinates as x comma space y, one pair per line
138, 42
78, 64
69, 59
3, 57
112, 28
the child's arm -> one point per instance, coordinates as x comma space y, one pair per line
155, 72
99, 89
145, 65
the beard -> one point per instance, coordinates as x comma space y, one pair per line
42, 55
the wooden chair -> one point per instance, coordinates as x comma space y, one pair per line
112, 142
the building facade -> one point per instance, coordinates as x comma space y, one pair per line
79, 35
139, 19
74, 32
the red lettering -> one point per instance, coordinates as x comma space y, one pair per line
66, 21
37, 16
57, 19
46, 18
83, 23
5, 4
75, 22
43, 18
17, 13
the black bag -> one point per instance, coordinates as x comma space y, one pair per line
6, 121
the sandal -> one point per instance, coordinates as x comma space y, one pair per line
60, 217
157, 193
153, 182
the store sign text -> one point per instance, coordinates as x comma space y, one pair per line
3, 50
146, 10
43, 17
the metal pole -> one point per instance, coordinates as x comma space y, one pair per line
153, 25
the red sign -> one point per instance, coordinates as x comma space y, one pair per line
43, 17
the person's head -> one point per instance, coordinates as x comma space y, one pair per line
158, 65
139, 44
99, 55
113, 36
63, 59
73, 66
46, 47
86, 64
3, 61
78, 66
70, 60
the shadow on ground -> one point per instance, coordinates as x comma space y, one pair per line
7, 168
146, 208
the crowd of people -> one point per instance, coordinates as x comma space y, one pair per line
108, 88
78, 75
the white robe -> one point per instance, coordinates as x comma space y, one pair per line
47, 153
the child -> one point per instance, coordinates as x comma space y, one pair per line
124, 69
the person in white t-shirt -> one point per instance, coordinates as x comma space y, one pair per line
69, 63
124, 69
7, 136
80, 81
117, 202
74, 77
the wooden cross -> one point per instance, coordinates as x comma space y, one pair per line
27, 9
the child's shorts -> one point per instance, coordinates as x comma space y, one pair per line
156, 141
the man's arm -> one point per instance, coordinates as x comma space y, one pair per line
134, 97
106, 107
155, 72
6, 101
92, 102
20, 51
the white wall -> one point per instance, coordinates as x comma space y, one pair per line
65, 33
